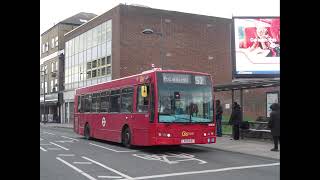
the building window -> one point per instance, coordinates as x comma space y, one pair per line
108, 59
47, 46
88, 74
109, 70
94, 73
52, 66
103, 71
45, 69
88, 65
103, 61
52, 43
56, 65
56, 84
56, 41
94, 64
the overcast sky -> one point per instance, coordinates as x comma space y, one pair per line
54, 11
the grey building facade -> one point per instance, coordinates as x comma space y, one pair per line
52, 66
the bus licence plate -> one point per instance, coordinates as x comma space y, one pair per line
187, 141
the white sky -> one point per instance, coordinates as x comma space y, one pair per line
54, 11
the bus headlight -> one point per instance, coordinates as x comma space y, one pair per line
168, 135
204, 134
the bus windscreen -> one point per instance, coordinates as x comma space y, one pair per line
184, 98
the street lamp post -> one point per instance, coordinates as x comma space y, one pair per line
44, 95
150, 31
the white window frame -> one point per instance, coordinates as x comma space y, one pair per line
56, 84
56, 66
52, 66
52, 43
46, 87
56, 41
51, 85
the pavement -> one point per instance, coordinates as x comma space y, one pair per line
255, 147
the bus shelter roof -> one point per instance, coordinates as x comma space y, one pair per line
246, 84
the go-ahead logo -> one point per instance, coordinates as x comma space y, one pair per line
185, 133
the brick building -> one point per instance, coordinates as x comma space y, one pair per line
112, 45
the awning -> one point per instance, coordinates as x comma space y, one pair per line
247, 84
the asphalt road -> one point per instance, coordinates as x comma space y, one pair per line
65, 155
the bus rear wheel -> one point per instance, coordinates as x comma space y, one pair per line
87, 132
126, 138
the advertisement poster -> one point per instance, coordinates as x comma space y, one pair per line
272, 97
257, 45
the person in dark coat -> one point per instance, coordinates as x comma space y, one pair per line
235, 120
274, 124
219, 111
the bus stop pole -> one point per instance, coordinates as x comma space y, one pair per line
241, 102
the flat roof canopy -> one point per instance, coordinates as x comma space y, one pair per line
247, 84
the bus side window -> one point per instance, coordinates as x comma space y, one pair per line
115, 101
104, 105
127, 99
88, 102
82, 104
79, 104
142, 102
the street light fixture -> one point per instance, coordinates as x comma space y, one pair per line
150, 31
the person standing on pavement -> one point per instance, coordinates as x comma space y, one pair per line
274, 124
219, 112
235, 120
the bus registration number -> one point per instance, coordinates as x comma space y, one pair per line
187, 141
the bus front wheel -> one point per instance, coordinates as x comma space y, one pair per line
126, 138
87, 132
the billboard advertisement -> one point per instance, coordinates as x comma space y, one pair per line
256, 42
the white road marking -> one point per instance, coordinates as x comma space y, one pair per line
110, 169
69, 138
204, 171
47, 133
42, 149
41, 139
113, 177
77, 169
45, 144
63, 141
82, 162
54, 148
59, 146
166, 157
110, 148
65, 154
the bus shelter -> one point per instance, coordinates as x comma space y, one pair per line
245, 84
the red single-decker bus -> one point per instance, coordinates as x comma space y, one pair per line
156, 107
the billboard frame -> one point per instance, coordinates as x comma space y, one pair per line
233, 51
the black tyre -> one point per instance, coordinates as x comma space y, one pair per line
126, 138
87, 132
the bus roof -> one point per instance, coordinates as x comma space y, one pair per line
143, 73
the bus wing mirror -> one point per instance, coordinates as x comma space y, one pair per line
144, 92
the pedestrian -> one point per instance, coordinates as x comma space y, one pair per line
274, 124
235, 120
219, 112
